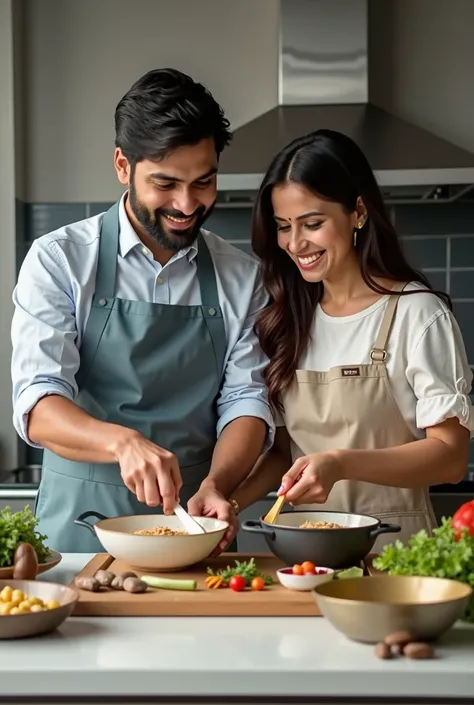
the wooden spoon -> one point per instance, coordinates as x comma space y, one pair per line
272, 515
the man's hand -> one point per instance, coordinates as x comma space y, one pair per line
208, 502
150, 472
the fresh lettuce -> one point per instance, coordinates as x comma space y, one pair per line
16, 528
445, 554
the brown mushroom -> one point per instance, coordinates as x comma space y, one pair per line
25, 562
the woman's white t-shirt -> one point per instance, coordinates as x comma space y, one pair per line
426, 361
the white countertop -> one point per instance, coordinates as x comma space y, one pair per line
216, 657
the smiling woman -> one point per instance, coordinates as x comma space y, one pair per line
367, 369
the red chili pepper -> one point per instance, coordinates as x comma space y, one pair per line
463, 518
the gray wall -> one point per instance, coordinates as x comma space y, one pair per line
81, 56
421, 59
8, 439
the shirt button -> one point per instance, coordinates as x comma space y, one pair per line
144, 250
102, 302
159, 280
212, 311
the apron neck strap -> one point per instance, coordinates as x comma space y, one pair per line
206, 275
107, 262
378, 354
108, 251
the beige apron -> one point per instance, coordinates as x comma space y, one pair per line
352, 406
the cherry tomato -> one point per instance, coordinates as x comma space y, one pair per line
257, 584
237, 583
298, 569
308, 568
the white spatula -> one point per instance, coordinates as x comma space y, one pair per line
190, 524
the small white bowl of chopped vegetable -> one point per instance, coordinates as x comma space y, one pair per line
304, 577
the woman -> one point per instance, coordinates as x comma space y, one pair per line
368, 372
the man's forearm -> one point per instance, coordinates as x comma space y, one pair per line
237, 450
58, 424
265, 477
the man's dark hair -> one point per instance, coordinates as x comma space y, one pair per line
163, 110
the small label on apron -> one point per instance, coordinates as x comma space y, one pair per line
350, 371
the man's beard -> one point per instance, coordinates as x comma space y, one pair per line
171, 239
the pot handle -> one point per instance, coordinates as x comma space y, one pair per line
80, 521
256, 528
385, 529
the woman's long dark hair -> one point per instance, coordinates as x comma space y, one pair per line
332, 166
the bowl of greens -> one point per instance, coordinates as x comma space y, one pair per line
16, 530
447, 553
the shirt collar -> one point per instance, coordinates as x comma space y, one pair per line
129, 239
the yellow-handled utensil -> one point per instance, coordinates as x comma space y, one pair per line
272, 515
274, 512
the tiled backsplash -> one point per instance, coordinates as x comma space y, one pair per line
438, 238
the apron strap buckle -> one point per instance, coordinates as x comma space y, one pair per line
377, 355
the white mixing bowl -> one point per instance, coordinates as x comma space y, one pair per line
154, 553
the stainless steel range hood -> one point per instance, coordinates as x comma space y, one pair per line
324, 82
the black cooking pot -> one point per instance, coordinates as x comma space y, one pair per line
331, 548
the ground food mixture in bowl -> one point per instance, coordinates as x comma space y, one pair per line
320, 525
160, 531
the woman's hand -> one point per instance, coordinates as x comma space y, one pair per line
311, 479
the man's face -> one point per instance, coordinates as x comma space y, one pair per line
172, 198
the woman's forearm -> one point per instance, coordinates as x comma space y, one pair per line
431, 461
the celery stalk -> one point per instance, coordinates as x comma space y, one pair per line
155, 581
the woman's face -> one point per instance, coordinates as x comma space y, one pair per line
318, 235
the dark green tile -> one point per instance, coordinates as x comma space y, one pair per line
437, 280
462, 251
435, 219
464, 313
96, 208
425, 252
230, 223
34, 456
246, 247
462, 285
42, 218
21, 250
20, 221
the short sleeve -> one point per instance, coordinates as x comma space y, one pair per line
439, 374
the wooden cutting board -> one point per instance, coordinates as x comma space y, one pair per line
274, 601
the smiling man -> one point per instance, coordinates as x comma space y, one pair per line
135, 364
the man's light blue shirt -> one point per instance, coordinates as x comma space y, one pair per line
53, 300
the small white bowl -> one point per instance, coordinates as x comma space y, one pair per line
303, 583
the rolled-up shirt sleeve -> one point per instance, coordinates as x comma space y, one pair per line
439, 374
244, 392
45, 357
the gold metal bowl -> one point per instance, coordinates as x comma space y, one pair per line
368, 609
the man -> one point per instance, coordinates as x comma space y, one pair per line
135, 364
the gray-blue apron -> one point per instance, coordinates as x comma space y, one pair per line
156, 368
